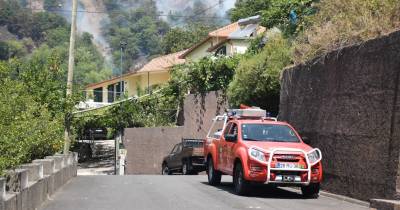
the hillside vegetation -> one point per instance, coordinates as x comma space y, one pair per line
341, 23
46, 33
148, 35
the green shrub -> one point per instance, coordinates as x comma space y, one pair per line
257, 78
208, 74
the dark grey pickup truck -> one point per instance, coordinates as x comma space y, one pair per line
186, 157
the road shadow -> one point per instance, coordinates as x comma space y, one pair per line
102, 161
262, 191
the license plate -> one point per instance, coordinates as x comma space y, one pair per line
287, 165
289, 178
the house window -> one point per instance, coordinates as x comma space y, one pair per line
240, 50
221, 51
119, 89
110, 93
98, 94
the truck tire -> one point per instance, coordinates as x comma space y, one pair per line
214, 176
241, 186
310, 191
165, 170
185, 168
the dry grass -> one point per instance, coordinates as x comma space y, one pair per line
341, 23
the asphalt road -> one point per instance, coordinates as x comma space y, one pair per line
178, 192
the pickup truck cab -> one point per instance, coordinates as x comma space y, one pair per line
257, 149
186, 157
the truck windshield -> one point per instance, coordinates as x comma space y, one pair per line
265, 132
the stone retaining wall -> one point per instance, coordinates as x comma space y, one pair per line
347, 105
28, 186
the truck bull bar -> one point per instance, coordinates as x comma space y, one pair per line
271, 154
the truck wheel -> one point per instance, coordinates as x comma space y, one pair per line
214, 176
165, 170
310, 191
185, 168
241, 186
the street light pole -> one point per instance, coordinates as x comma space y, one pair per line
71, 63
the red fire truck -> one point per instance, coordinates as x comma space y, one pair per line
254, 148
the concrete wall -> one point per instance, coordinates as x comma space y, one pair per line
347, 103
28, 186
146, 147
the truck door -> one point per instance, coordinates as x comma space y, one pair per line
222, 149
171, 156
221, 157
175, 160
229, 148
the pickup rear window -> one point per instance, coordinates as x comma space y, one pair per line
192, 143
266, 132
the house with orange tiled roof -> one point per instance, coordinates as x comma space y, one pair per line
155, 72
229, 40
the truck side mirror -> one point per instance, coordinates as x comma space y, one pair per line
231, 137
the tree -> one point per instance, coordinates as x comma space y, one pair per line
257, 78
50, 5
44, 21
32, 104
247, 8
23, 23
142, 30
11, 49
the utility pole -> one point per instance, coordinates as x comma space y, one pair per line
71, 63
122, 83
121, 90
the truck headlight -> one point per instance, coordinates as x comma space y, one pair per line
314, 156
257, 155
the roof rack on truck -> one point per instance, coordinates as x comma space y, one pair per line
243, 113
253, 112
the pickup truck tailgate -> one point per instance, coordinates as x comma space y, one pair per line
199, 151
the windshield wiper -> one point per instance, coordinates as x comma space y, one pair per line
249, 139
